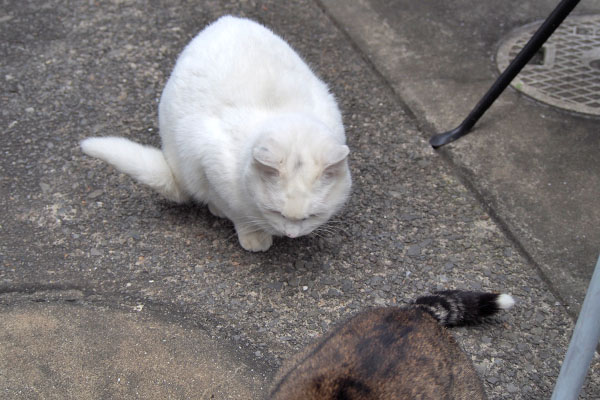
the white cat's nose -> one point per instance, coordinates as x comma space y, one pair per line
291, 231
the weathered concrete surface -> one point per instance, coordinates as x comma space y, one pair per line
72, 349
72, 69
533, 167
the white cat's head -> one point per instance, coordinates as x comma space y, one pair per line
298, 176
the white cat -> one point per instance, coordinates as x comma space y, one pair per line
247, 129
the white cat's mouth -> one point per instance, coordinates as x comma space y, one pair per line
291, 227
279, 214
292, 234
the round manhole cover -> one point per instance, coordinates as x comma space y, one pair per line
566, 71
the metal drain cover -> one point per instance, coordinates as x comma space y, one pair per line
566, 71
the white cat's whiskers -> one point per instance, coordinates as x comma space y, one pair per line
232, 236
318, 234
330, 228
336, 222
248, 225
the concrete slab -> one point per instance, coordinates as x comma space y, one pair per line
533, 167
52, 348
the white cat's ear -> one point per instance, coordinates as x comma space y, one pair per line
267, 158
334, 163
337, 155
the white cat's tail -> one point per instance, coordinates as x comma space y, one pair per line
459, 307
146, 164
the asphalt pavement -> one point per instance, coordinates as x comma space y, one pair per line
109, 291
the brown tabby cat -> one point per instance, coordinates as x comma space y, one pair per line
393, 353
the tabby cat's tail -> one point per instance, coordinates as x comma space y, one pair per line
459, 307
144, 163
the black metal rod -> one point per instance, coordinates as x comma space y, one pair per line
538, 39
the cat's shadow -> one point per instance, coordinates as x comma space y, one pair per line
306, 250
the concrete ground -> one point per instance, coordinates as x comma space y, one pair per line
108, 291
533, 167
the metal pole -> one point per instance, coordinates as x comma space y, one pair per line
538, 39
583, 344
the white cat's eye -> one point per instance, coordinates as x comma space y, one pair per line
280, 214
275, 212
310, 216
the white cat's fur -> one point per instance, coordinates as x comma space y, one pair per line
247, 129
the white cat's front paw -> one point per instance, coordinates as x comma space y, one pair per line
255, 241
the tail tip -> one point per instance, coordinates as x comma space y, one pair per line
505, 301
84, 143
87, 145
